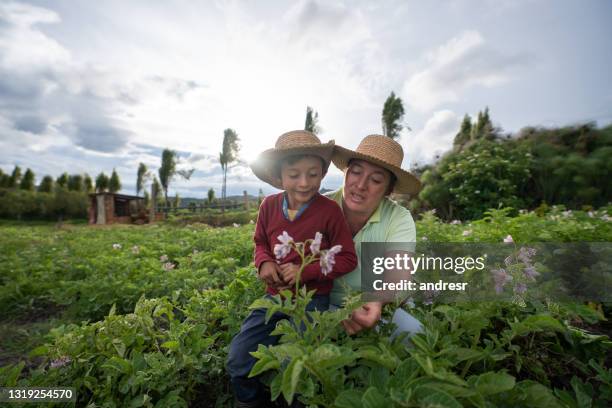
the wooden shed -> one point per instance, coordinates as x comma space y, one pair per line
112, 208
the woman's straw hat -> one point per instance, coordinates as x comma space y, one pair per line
296, 142
384, 152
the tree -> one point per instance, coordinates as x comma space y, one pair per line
4, 179
464, 132
27, 182
312, 121
211, 195
15, 178
102, 182
177, 201
392, 114
46, 185
167, 170
87, 183
114, 184
483, 128
141, 177
228, 155
156, 191
75, 182
62, 181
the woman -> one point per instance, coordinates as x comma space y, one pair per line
371, 173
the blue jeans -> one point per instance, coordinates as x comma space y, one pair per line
255, 331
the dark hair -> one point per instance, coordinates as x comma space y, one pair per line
296, 158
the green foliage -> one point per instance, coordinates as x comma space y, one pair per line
568, 166
27, 182
482, 176
392, 114
18, 204
87, 184
114, 184
15, 178
46, 185
75, 183
211, 195
158, 305
62, 181
102, 182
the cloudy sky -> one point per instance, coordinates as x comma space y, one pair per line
91, 86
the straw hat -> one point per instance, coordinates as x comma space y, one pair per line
384, 152
296, 142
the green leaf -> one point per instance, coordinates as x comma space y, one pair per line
10, 374
331, 356
119, 364
427, 395
171, 345
373, 398
39, 351
349, 399
492, 383
584, 392
291, 377
264, 364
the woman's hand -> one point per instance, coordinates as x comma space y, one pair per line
364, 317
289, 272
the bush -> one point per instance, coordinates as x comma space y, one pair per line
22, 204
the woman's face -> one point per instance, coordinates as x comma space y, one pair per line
365, 185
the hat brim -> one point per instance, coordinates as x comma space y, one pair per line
264, 167
406, 182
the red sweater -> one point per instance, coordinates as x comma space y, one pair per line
322, 215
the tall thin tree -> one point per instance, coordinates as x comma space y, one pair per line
167, 171
312, 121
141, 177
392, 115
229, 154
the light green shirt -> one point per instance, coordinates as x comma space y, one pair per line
390, 223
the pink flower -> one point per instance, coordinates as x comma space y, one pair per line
525, 254
455, 222
466, 233
508, 239
328, 259
163, 258
60, 362
282, 250
520, 288
530, 272
135, 250
116, 246
500, 277
315, 246
168, 266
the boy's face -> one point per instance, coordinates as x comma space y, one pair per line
301, 180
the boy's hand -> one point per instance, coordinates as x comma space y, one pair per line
289, 273
269, 272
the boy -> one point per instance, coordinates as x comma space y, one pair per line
296, 165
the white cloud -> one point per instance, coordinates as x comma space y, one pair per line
463, 62
435, 138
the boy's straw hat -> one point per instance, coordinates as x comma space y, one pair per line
384, 152
296, 142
